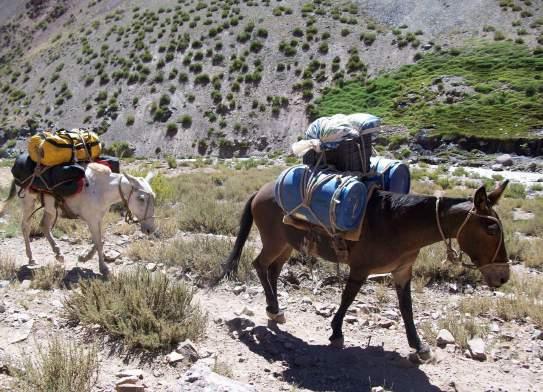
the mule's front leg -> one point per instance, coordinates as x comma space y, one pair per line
403, 289
96, 233
28, 207
349, 293
46, 226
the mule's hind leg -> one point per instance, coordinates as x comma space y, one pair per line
47, 221
96, 233
274, 270
27, 203
262, 263
355, 281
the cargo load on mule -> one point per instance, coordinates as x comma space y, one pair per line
56, 162
329, 192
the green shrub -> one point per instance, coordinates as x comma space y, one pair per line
186, 121
129, 120
146, 310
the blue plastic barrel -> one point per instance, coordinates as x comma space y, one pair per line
392, 175
337, 201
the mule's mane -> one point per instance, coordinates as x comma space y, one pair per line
99, 168
400, 201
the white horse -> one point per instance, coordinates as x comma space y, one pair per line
103, 188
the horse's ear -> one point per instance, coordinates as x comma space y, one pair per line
149, 177
480, 200
496, 194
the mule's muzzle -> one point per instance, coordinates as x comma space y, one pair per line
147, 229
496, 274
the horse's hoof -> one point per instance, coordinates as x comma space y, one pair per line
279, 318
337, 342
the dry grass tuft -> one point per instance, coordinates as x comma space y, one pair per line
60, 366
146, 310
8, 268
48, 277
201, 256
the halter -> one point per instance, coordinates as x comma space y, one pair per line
455, 256
129, 217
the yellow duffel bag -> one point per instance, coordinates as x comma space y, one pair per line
55, 148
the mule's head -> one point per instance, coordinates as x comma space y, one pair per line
142, 202
482, 237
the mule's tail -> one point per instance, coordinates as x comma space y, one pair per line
230, 265
11, 195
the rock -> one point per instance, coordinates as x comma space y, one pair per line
324, 310
476, 348
127, 380
138, 373
245, 311
385, 323
174, 357
111, 255
307, 301
20, 334
130, 388
151, 267
187, 349
367, 309
239, 323
537, 334
350, 319
25, 284
504, 160
201, 378
521, 215
444, 337
453, 288
238, 290
377, 389
4, 284
2, 307
494, 327
496, 167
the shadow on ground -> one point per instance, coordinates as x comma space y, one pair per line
323, 368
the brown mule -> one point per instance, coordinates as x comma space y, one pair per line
395, 228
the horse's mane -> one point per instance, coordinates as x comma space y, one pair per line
99, 169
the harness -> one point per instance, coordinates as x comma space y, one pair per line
455, 256
129, 217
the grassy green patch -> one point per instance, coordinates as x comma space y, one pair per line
144, 309
506, 101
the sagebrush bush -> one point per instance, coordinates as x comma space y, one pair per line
59, 366
8, 269
147, 310
48, 277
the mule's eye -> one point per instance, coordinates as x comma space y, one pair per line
492, 229
141, 197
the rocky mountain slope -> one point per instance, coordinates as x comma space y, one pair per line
218, 77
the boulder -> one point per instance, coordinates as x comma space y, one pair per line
504, 160
111, 255
174, 357
187, 350
476, 348
496, 167
444, 337
201, 378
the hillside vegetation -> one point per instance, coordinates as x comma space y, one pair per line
488, 90
231, 77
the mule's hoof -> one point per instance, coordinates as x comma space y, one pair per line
337, 342
82, 259
60, 258
105, 271
279, 318
32, 262
423, 356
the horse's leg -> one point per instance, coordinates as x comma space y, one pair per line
27, 203
47, 224
402, 281
274, 270
355, 281
95, 228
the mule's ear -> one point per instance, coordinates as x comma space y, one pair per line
149, 177
480, 200
496, 194
133, 180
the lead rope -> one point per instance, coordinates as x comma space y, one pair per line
128, 217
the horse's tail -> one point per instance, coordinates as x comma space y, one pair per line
11, 195
230, 265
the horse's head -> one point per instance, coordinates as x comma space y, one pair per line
141, 202
481, 237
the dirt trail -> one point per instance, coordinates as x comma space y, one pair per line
294, 356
